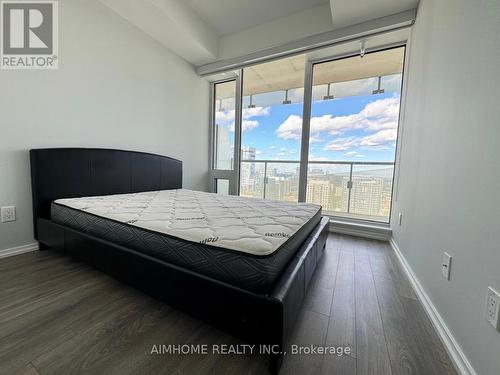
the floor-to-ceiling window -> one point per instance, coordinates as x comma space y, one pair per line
353, 132
270, 158
223, 135
349, 136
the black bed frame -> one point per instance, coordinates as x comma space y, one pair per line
77, 172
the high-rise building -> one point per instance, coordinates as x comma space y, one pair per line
318, 192
249, 185
248, 153
366, 195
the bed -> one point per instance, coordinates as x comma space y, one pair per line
241, 264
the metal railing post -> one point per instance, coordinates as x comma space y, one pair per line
349, 189
265, 179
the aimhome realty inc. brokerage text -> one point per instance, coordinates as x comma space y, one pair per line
244, 349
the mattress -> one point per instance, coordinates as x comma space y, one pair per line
246, 242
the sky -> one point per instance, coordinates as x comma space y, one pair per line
352, 128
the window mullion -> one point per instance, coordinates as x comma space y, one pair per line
306, 126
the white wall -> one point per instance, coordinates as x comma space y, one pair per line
449, 184
115, 87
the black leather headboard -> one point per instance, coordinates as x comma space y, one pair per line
78, 172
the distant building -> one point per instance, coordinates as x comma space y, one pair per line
250, 184
370, 195
318, 192
366, 195
248, 153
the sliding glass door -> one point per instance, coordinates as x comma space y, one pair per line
320, 131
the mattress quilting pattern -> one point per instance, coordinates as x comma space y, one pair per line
247, 225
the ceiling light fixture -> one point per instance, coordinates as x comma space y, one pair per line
251, 105
379, 90
328, 96
286, 101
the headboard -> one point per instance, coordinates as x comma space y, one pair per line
78, 172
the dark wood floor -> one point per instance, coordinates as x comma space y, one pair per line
58, 316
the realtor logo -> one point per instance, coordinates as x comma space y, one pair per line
29, 33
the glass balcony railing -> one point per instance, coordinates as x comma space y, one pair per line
359, 190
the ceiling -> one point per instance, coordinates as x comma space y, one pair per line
204, 31
230, 16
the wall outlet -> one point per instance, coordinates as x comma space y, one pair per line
493, 308
446, 266
400, 218
8, 214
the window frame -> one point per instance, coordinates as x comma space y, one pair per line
225, 174
234, 175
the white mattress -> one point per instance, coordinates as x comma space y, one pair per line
253, 226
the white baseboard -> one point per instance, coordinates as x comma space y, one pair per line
19, 250
454, 350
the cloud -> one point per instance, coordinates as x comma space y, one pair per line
255, 112
246, 125
379, 139
342, 144
354, 154
258, 152
249, 124
227, 118
382, 114
223, 117
291, 128
378, 115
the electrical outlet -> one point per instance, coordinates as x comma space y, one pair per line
446, 266
8, 214
493, 308
400, 219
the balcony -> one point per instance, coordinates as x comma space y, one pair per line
356, 190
